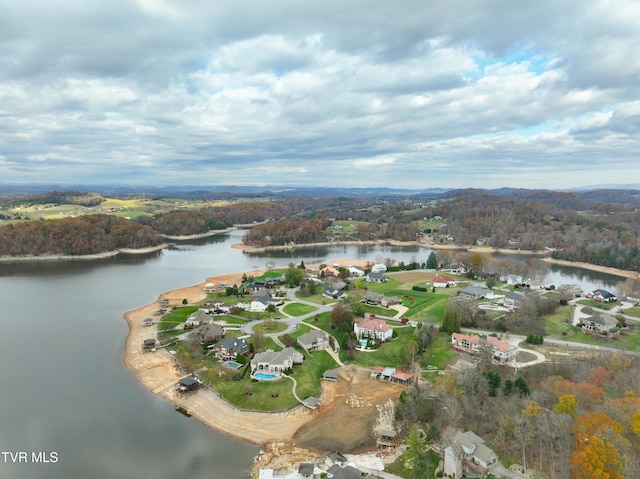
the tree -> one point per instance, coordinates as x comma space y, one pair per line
595, 457
337, 314
567, 404
294, 276
432, 261
521, 385
416, 454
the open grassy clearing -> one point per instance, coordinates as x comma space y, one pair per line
298, 309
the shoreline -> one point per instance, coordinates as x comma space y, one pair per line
158, 372
83, 257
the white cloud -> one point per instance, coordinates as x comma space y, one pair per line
410, 93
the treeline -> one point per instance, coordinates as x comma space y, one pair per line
75, 236
55, 197
287, 231
187, 222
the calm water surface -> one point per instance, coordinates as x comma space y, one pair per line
66, 391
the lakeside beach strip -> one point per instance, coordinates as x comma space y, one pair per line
157, 371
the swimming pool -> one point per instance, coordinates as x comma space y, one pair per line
233, 364
265, 376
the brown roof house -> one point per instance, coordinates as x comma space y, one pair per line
373, 328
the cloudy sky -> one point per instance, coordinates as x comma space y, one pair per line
414, 94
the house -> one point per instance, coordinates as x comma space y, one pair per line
329, 271
513, 300
373, 328
472, 344
312, 402
378, 268
601, 295
466, 343
387, 439
216, 307
379, 299
197, 318
314, 340
305, 470
375, 278
336, 458
440, 281
275, 362
147, 322
332, 293
331, 375
346, 472
208, 332
262, 303
467, 454
165, 303
502, 350
511, 279
474, 292
355, 272
228, 348
602, 323
254, 287
209, 288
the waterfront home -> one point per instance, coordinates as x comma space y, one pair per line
378, 268
601, 295
355, 272
275, 362
149, 345
216, 307
147, 322
511, 279
208, 332
254, 287
209, 288
197, 318
228, 348
375, 278
314, 340
373, 328
467, 455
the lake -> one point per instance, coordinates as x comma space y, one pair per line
66, 392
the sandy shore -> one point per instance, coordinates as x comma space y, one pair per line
157, 372
83, 257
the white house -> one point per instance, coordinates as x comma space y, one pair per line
378, 268
440, 281
373, 328
356, 272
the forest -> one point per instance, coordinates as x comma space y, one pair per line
568, 225
75, 236
577, 418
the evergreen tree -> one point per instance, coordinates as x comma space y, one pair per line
432, 261
416, 453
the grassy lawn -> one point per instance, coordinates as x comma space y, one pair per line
391, 353
598, 304
398, 467
635, 312
439, 353
554, 323
175, 317
298, 309
270, 327
275, 395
